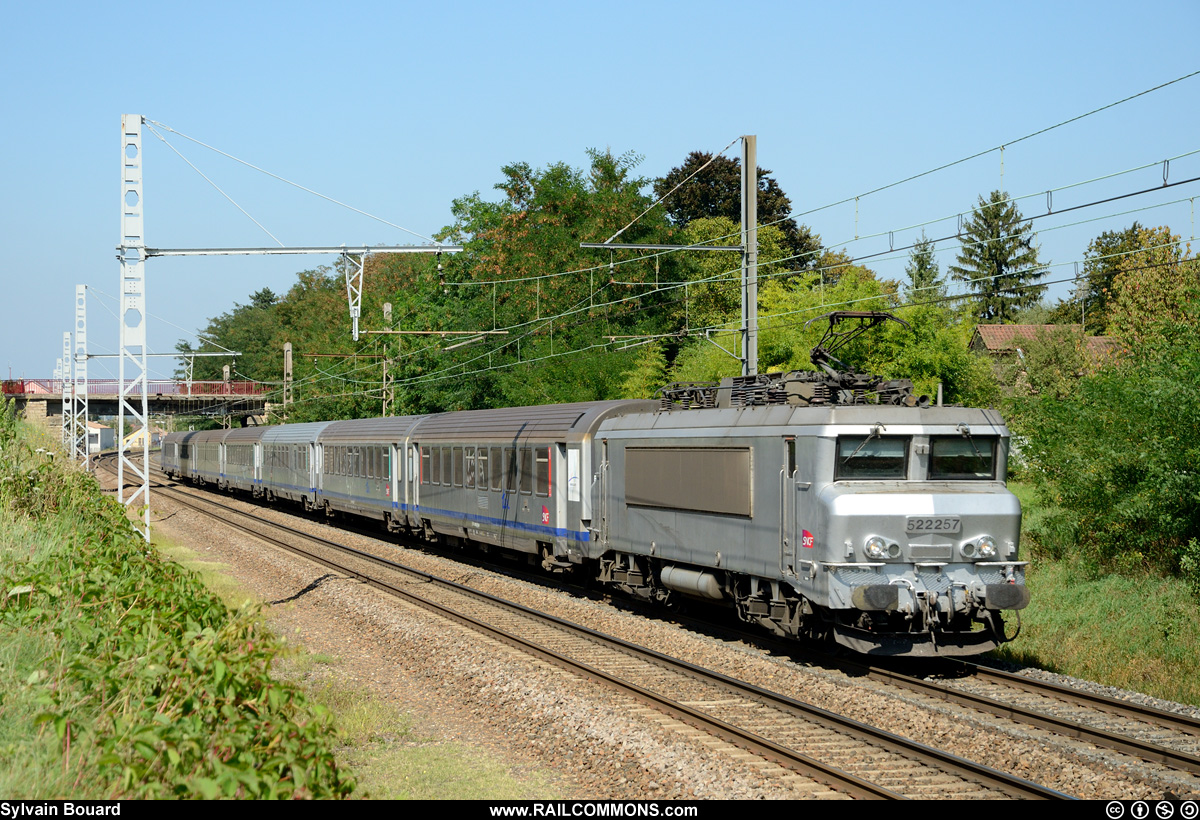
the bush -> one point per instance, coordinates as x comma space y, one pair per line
152, 686
1120, 455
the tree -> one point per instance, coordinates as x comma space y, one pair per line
1161, 282
925, 280
998, 261
717, 192
1102, 262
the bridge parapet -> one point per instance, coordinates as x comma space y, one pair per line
27, 388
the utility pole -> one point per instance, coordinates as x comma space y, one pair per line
750, 255
287, 377
79, 407
748, 249
68, 400
131, 252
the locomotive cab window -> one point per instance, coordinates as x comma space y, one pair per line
871, 458
962, 458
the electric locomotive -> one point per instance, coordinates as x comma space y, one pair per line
826, 503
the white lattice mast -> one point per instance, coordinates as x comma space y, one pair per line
132, 255
68, 400
79, 416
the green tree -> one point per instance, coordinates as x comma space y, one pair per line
1102, 263
648, 374
717, 192
998, 261
925, 280
1159, 283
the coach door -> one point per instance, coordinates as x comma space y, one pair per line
601, 500
412, 480
787, 508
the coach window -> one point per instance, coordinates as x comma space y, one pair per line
458, 466
434, 455
469, 468
387, 462
481, 468
497, 459
426, 475
510, 469
526, 471
542, 456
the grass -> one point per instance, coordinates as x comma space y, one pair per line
1135, 632
394, 760
30, 759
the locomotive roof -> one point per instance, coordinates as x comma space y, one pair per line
737, 420
558, 422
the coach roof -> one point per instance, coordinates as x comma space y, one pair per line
557, 422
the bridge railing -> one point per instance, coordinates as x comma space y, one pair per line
110, 387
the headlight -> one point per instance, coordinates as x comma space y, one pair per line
876, 547
986, 546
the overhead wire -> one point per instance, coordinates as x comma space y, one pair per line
291, 183
543, 321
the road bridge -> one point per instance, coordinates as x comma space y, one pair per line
41, 400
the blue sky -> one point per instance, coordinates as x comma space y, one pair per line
398, 108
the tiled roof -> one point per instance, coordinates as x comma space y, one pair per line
1002, 338
1009, 337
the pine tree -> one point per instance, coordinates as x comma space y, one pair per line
998, 261
925, 280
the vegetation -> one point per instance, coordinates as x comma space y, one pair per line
121, 676
1117, 450
925, 280
998, 262
391, 755
1133, 630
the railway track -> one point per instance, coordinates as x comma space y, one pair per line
1150, 734
847, 757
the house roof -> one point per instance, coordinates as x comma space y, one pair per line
1005, 338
